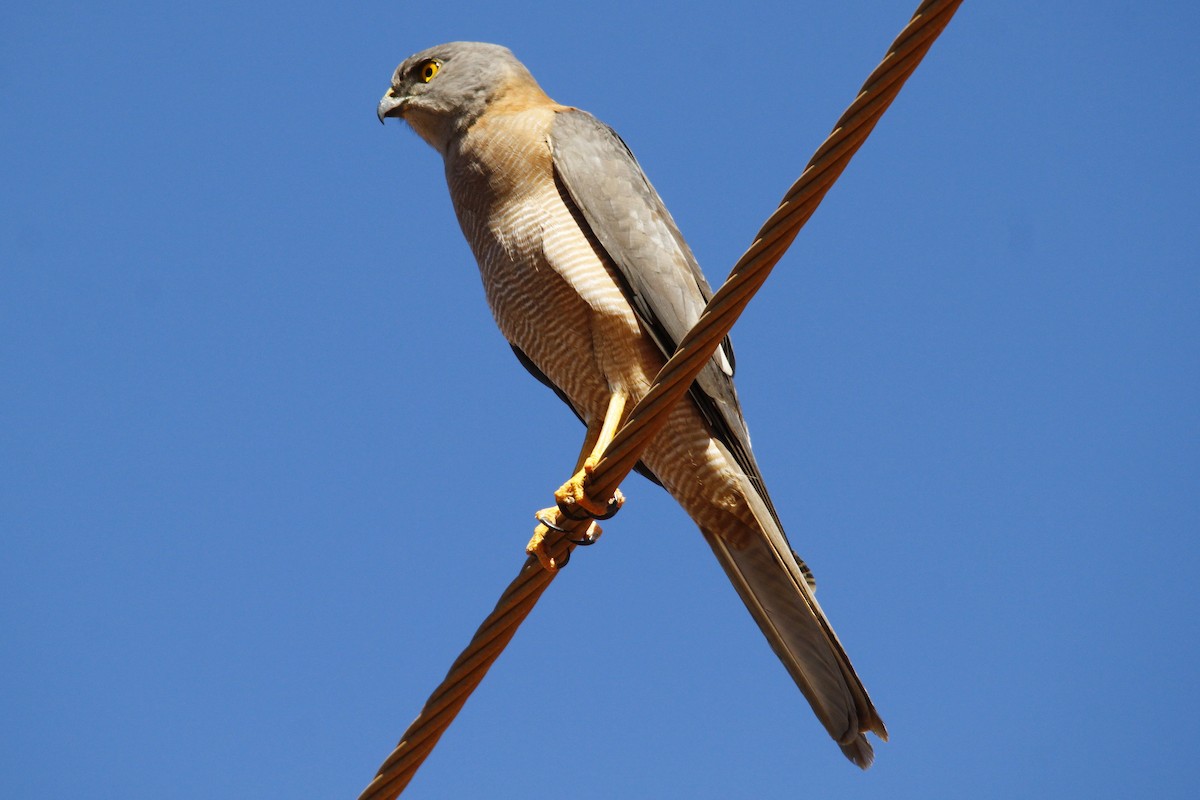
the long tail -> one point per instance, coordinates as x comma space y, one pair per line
775, 586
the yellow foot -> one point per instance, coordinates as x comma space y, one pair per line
572, 495
539, 546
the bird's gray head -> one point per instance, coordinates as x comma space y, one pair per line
442, 90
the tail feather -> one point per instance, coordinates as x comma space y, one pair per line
775, 586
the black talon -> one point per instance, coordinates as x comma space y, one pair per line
613, 508
570, 512
584, 514
549, 524
586, 541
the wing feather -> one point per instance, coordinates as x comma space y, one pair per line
668, 290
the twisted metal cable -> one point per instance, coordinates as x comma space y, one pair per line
672, 382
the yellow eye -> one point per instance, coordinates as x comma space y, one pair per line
427, 69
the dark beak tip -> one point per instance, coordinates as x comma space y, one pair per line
389, 106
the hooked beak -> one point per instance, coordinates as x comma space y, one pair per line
390, 105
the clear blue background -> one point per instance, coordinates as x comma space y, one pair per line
265, 462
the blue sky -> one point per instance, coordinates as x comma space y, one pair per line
265, 462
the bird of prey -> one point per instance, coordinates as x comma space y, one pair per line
592, 284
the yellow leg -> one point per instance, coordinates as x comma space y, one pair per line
572, 494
